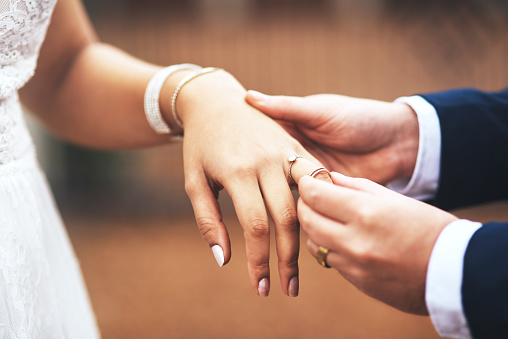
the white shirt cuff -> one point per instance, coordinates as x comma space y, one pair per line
424, 181
443, 291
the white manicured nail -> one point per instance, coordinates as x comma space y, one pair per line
293, 287
264, 287
218, 254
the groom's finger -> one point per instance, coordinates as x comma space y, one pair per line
294, 109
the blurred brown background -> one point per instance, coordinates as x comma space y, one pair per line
149, 273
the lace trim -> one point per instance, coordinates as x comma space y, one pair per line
23, 25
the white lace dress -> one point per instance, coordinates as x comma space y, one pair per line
42, 294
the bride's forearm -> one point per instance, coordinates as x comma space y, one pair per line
99, 101
93, 94
85, 91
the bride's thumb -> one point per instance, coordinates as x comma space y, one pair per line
280, 107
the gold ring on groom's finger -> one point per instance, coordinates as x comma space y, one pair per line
322, 252
291, 159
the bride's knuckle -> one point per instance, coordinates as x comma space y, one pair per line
288, 220
242, 171
206, 225
289, 261
191, 186
258, 229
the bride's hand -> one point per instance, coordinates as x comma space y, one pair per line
229, 144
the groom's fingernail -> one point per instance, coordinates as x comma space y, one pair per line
293, 287
264, 287
218, 253
257, 95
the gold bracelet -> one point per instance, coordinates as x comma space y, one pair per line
182, 83
152, 94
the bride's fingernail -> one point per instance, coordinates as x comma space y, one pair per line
293, 287
258, 96
264, 287
218, 254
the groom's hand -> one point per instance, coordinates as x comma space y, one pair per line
379, 240
358, 137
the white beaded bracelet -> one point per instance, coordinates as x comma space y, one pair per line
152, 94
182, 83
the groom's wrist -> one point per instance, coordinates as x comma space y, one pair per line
422, 184
407, 140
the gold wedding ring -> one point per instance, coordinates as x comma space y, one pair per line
292, 159
322, 252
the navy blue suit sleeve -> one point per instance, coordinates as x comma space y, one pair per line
485, 282
474, 146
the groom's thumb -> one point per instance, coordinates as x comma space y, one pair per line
279, 107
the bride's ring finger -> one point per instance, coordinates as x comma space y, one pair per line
299, 167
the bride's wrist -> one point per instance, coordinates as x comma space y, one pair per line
167, 91
209, 87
